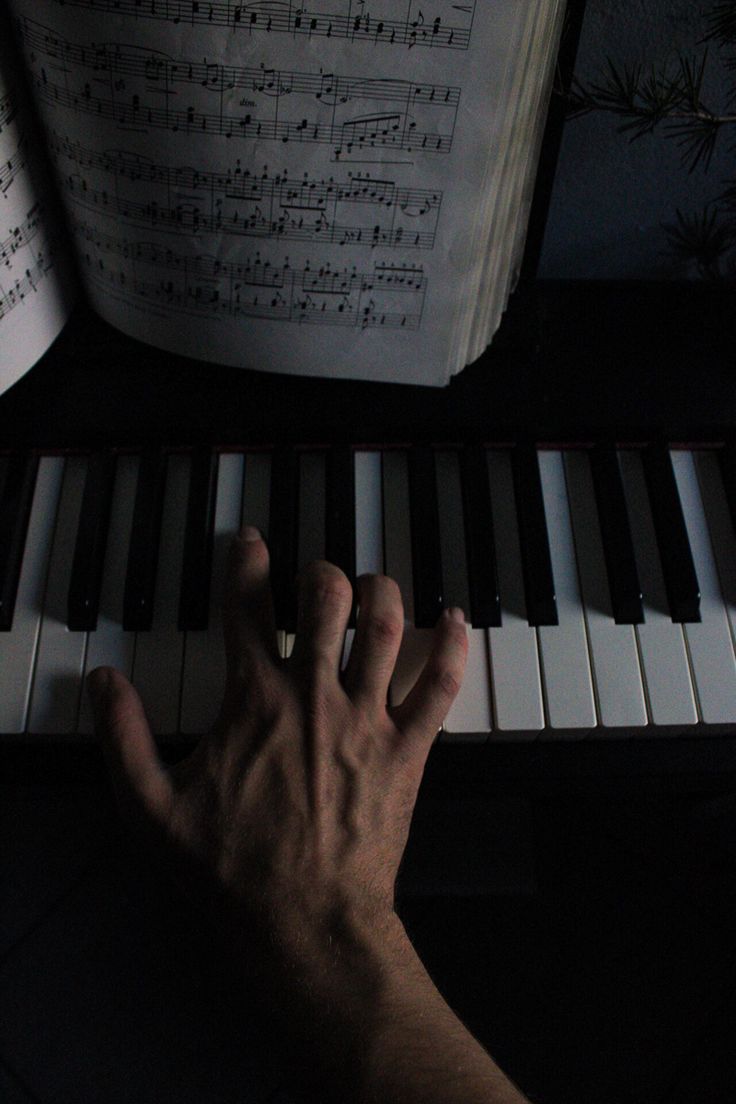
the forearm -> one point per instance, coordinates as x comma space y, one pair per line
422, 1052
287, 824
364, 1021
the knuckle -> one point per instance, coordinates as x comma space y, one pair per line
385, 628
449, 684
447, 680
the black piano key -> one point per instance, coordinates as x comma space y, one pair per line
196, 571
15, 510
678, 569
618, 545
340, 512
283, 535
536, 561
140, 578
426, 554
83, 601
480, 545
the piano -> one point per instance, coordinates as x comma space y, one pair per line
574, 491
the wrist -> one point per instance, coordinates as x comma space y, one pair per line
330, 989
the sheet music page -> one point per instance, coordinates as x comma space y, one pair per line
36, 286
275, 186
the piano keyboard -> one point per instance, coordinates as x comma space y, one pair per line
599, 585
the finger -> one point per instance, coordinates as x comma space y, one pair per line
378, 634
138, 776
247, 611
424, 709
325, 598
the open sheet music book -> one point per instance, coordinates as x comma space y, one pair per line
340, 189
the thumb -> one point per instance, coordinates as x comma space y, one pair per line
138, 776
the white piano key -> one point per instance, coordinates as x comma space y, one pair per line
670, 698
709, 643
614, 656
18, 647
416, 643
57, 678
109, 644
563, 648
204, 650
368, 514
720, 525
311, 539
518, 710
368, 524
469, 718
159, 652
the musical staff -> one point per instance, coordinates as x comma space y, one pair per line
12, 166
36, 286
389, 296
357, 21
21, 235
7, 109
22, 286
141, 90
356, 210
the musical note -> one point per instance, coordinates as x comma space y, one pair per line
22, 286
318, 107
14, 165
356, 209
21, 235
274, 17
7, 109
390, 296
33, 291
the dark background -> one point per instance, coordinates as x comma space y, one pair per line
592, 949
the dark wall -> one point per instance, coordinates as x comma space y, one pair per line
611, 196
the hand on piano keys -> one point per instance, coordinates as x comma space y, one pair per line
599, 584
287, 824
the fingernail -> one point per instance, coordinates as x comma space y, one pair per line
250, 533
455, 614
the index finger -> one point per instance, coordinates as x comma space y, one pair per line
247, 607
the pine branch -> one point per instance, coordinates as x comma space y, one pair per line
673, 99
704, 238
722, 23
645, 102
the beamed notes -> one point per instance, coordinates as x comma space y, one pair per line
444, 25
34, 281
305, 187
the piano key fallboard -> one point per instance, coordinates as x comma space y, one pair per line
599, 584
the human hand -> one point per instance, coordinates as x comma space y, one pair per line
293, 813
